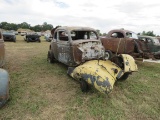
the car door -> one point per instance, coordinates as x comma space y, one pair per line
149, 42
63, 47
117, 42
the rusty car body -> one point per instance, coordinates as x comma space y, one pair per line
81, 50
9, 36
153, 44
4, 77
74, 45
120, 41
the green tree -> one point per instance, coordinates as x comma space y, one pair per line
149, 33
46, 26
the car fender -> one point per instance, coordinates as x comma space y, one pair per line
4, 86
129, 63
99, 73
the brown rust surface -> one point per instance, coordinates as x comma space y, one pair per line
75, 45
123, 44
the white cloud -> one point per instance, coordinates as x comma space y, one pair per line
135, 15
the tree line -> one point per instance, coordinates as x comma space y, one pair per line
25, 25
45, 26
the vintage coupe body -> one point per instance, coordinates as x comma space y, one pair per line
4, 77
9, 36
81, 50
32, 37
120, 41
153, 44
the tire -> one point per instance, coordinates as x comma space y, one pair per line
108, 55
27, 40
124, 77
84, 86
50, 57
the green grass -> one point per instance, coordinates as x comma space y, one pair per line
39, 90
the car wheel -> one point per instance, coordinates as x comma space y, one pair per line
108, 55
124, 76
27, 40
84, 86
50, 57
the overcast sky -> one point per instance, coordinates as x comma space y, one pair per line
134, 15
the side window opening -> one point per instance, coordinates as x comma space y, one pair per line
149, 40
63, 36
55, 35
117, 35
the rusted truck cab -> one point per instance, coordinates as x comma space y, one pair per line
4, 77
75, 45
120, 41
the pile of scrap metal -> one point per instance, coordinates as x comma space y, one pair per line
4, 77
82, 51
120, 41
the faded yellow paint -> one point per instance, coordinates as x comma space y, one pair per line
129, 63
103, 74
100, 71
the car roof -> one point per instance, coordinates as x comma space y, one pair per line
71, 28
118, 30
145, 36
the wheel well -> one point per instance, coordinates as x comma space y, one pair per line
118, 60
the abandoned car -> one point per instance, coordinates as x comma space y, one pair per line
158, 38
153, 44
4, 77
9, 36
120, 41
81, 50
32, 37
48, 37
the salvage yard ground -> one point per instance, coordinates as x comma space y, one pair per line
43, 91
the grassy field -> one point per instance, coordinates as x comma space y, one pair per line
43, 91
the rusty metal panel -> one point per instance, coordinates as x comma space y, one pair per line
118, 45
